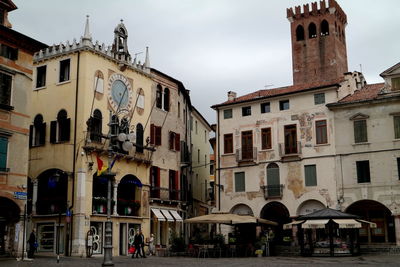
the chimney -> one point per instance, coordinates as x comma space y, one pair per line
231, 95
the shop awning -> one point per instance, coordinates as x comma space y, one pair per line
288, 226
158, 215
347, 223
314, 224
176, 215
228, 218
371, 224
167, 215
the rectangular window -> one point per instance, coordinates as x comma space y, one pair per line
171, 140
246, 111
363, 175
8, 52
41, 76
290, 133
64, 70
284, 105
205, 136
227, 113
247, 145
319, 98
155, 135
179, 109
198, 155
321, 132
398, 168
240, 182
5, 89
3, 154
310, 174
195, 126
360, 131
205, 161
265, 107
395, 84
228, 143
266, 138
396, 121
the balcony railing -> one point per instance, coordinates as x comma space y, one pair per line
273, 191
164, 193
286, 150
246, 154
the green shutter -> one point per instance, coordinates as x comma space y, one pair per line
3, 152
396, 120
273, 176
360, 131
310, 173
240, 182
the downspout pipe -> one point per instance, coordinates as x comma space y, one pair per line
74, 152
219, 163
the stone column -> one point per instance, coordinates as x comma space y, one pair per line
397, 229
79, 222
115, 185
34, 196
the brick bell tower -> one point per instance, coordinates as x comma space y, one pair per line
318, 42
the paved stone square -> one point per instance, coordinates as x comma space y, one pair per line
368, 260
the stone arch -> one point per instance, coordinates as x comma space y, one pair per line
309, 206
242, 209
129, 196
374, 211
277, 212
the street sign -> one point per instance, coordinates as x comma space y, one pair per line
20, 195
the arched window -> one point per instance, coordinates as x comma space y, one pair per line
60, 129
139, 138
312, 30
38, 132
129, 195
52, 192
96, 126
324, 28
299, 33
159, 96
273, 180
166, 99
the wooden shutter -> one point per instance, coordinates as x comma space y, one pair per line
3, 153
171, 140
310, 174
240, 182
177, 142
158, 135
42, 137
152, 134
360, 131
53, 132
30, 135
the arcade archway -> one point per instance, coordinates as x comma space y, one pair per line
378, 213
9, 215
277, 212
242, 209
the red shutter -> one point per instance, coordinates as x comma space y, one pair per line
177, 142
152, 134
158, 178
177, 180
171, 140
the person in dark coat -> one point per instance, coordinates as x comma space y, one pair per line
142, 244
32, 243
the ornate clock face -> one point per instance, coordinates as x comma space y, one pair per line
119, 93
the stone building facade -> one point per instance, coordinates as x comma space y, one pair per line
289, 151
16, 53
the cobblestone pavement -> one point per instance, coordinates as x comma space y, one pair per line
368, 260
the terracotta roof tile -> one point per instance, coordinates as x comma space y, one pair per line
264, 93
368, 92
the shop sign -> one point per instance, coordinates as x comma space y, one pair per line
20, 195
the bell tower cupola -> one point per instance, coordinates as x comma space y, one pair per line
120, 45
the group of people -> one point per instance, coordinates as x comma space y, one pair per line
139, 243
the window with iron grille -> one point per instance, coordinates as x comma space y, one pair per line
240, 182
363, 172
310, 174
321, 132
360, 131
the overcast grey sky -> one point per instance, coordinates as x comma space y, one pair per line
214, 46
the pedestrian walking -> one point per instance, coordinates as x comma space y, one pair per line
142, 244
32, 243
151, 245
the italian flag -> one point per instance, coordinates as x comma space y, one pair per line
101, 167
